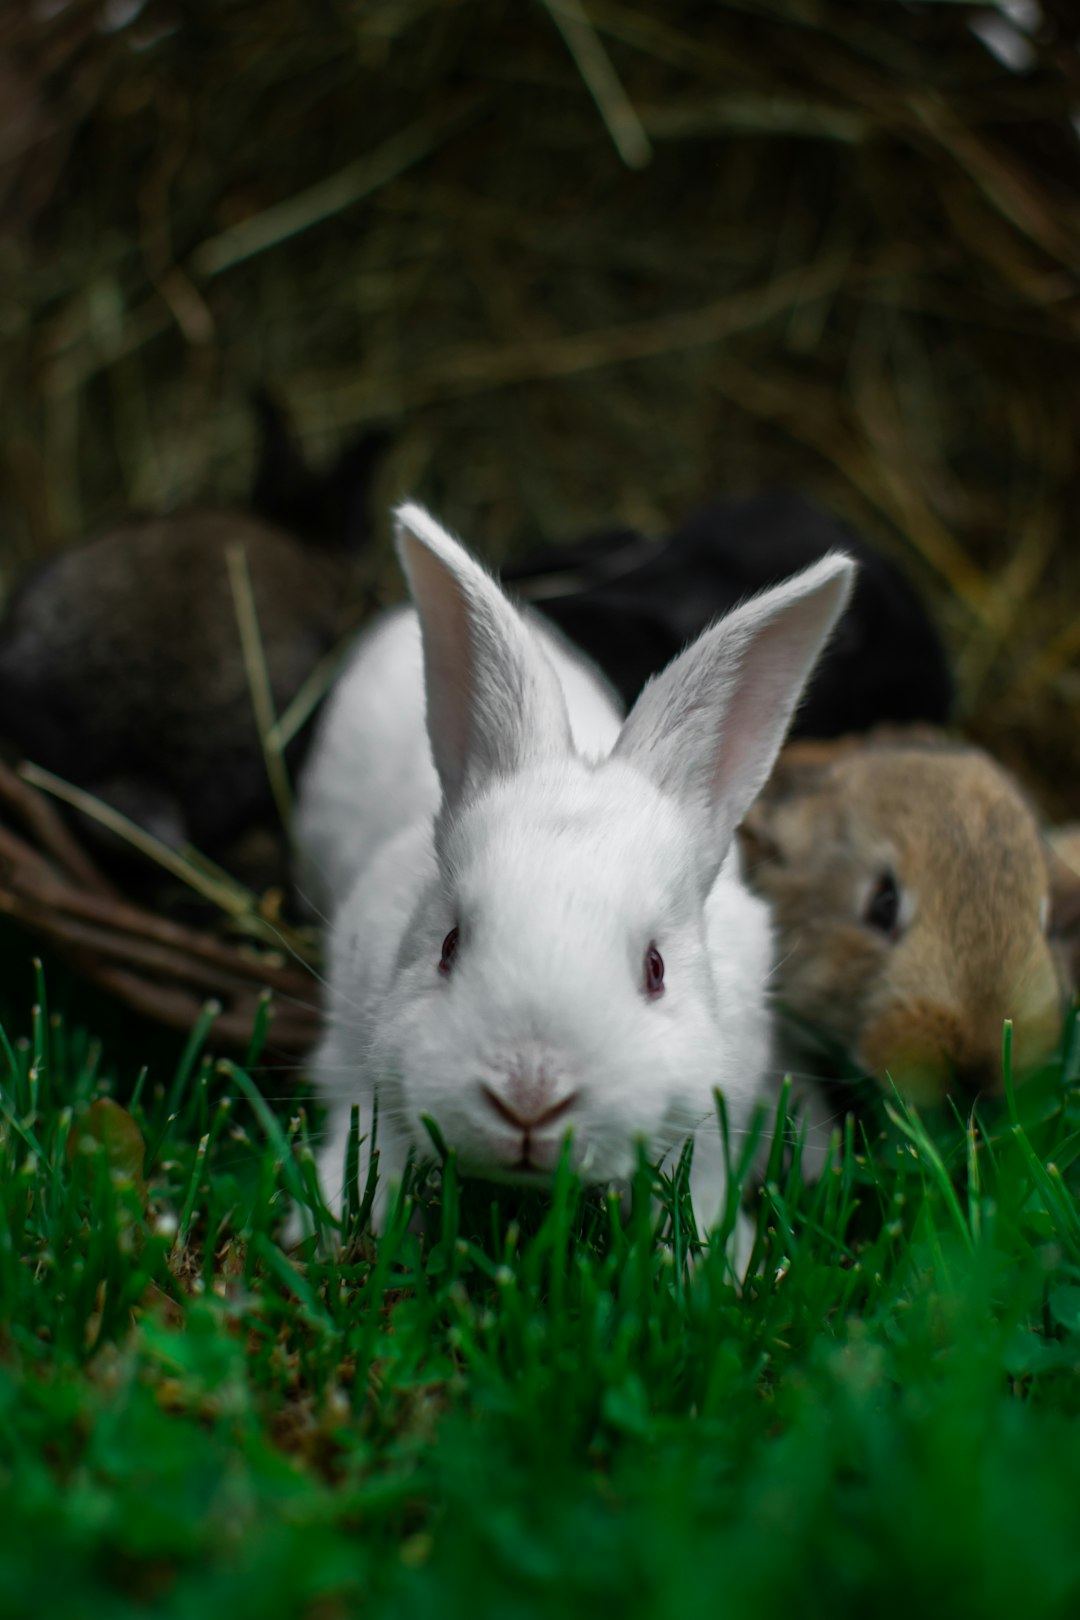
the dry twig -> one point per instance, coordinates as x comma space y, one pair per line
161, 968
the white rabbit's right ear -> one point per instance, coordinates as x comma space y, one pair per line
708, 729
494, 702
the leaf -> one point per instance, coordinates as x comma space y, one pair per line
1064, 1305
107, 1127
1027, 1352
626, 1407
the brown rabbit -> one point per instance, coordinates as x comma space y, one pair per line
912, 894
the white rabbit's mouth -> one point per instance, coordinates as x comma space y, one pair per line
514, 1154
532, 1158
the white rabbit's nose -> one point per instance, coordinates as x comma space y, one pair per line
528, 1103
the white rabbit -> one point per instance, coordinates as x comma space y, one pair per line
537, 923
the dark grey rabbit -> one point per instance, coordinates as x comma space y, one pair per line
121, 666
632, 605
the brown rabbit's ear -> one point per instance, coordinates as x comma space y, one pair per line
803, 768
775, 819
911, 734
758, 836
1063, 866
817, 751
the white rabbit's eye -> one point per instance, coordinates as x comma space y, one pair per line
449, 951
654, 972
882, 908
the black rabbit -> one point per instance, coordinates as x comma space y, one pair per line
631, 605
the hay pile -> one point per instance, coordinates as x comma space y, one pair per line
592, 260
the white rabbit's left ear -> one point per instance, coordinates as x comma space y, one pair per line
494, 701
708, 729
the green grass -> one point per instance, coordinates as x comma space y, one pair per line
531, 1409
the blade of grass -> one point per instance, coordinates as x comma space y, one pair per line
602, 82
258, 679
190, 1055
907, 1121
230, 897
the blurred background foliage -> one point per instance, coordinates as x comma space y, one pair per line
591, 260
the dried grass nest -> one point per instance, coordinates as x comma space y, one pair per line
255, 975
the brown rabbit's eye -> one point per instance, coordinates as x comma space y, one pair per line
449, 951
654, 971
882, 909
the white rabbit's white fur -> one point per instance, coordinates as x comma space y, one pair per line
562, 844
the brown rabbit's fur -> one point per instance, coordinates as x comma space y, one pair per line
924, 1005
